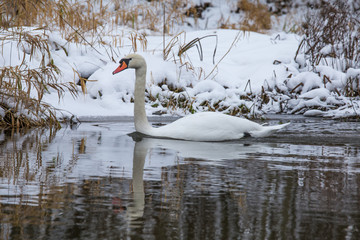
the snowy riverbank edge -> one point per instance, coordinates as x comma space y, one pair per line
250, 74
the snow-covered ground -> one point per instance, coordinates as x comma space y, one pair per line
244, 70
236, 72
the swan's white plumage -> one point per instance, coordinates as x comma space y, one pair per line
206, 126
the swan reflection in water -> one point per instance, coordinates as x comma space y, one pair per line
215, 151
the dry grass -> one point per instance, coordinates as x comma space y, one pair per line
59, 15
178, 98
332, 38
257, 16
158, 16
136, 39
22, 88
78, 19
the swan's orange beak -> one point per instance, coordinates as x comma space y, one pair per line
120, 68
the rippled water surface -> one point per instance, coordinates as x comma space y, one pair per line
97, 182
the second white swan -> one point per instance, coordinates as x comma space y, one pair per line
205, 126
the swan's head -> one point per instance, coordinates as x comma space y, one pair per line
130, 61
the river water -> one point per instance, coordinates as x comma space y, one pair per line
94, 181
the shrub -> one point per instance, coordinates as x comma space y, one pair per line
332, 38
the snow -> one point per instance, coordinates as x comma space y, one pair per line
351, 72
245, 66
304, 82
321, 93
245, 69
314, 113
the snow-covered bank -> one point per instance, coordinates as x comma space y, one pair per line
250, 74
241, 73
232, 71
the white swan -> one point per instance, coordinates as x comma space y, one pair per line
205, 126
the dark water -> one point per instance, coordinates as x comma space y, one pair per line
96, 182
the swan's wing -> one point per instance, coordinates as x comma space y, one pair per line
208, 126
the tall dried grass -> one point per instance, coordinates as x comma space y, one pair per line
72, 19
332, 38
154, 15
257, 16
22, 88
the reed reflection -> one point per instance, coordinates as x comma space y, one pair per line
98, 183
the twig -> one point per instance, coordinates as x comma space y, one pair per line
164, 32
232, 45
248, 83
194, 42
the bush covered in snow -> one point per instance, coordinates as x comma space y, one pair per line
330, 49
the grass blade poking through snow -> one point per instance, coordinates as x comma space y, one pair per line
197, 42
236, 39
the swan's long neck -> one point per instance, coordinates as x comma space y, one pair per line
141, 122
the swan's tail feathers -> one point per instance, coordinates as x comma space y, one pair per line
267, 130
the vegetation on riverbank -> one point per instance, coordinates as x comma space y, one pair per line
331, 39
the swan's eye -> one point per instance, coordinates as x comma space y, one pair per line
126, 60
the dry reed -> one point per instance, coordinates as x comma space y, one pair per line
332, 38
22, 88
